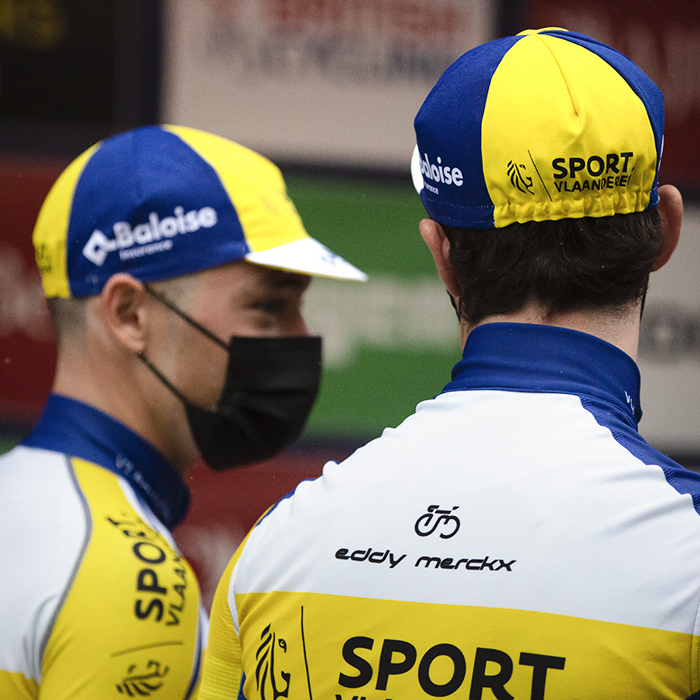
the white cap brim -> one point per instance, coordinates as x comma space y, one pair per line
308, 257
416, 174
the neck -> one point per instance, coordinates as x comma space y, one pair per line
619, 327
119, 385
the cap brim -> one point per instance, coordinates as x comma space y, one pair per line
308, 257
416, 174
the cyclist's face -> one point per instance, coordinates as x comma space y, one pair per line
237, 299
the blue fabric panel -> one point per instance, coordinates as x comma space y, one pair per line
461, 104
79, 430
167, 173
534, 358
241, 695
682, 480
545, 359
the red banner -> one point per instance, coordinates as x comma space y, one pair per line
27, 353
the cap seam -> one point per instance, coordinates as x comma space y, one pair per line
559, 66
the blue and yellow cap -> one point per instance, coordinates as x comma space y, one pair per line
545, 125
163, 201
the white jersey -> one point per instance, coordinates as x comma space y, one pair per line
514, 538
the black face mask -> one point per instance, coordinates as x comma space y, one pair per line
271, 385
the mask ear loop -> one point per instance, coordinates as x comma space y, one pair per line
456, 305
163, 378
169, 304
166, 302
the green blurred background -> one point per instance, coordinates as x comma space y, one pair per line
399, 336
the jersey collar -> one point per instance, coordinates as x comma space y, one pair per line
534, 358
82, 431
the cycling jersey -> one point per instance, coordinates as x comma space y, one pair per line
96, 600
514, 538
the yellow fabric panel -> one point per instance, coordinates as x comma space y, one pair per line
345, 647
222, 672
220, 680
601, 180
130, 621
527, 32
14, 686
51, 230
694, 663
254, 185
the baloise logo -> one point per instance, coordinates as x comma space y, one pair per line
152, 236
439, 173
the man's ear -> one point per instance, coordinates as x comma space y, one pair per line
123, 307
435, 238
671, 211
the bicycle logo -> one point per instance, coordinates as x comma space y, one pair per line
429, 522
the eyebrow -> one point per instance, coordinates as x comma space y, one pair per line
287, 280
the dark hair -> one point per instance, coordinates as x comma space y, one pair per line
69, 316
566, 265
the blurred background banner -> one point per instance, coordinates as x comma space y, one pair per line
72, 71
314, 81
390, 342
27, 350
329, 90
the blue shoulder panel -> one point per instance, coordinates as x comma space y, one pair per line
80, 430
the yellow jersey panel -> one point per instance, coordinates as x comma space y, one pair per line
358, 647
17, 687
133, 584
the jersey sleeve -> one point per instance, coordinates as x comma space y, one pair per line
222, 673
130, 624
43, 530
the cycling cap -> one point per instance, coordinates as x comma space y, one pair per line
545, 125
163, 201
